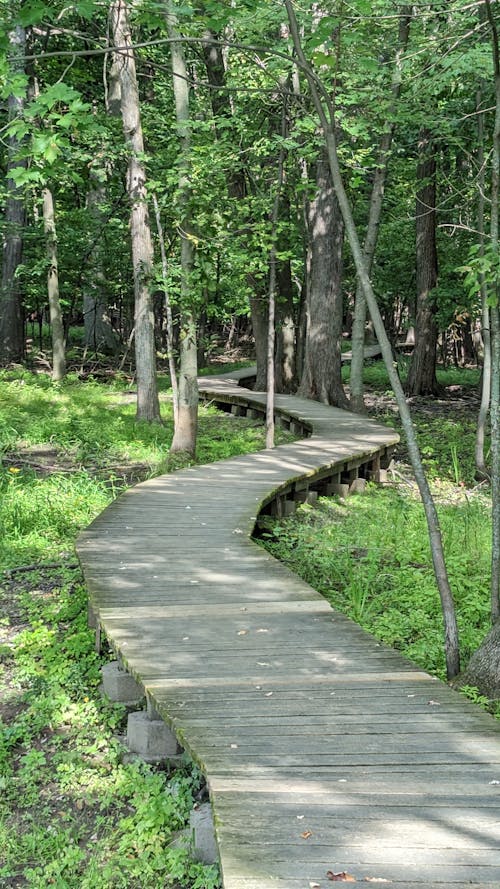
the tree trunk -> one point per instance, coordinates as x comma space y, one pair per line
260, 325
452, 649
483, 669
148, 405
168, 312
98, 332
11, 314
422, 373
495, 334
375, 212
56, 320
485, 311
187, 409
321, 375
285, 331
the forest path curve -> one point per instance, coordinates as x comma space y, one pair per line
325, 752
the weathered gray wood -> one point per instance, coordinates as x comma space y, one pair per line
301, 720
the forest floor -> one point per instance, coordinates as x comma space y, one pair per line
73, 810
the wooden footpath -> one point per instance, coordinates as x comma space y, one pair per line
325, 752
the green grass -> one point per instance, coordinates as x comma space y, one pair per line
95, 437
369, 556
375, 375
73, 811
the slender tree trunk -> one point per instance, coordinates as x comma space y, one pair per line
11, 314
56, 320
148, 405
168, 312
485, 312
374, 215
285, 332
495, 334
259, 312
98, 332
452, 650
422, 374
321, 375
271, 335
187, 410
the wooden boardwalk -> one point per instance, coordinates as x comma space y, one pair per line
325, 752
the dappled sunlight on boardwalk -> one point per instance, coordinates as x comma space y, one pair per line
325, 751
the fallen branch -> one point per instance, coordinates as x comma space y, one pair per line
23, 569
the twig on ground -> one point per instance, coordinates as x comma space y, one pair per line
40, 567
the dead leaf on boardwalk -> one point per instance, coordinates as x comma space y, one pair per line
306, 834
342, 877
242, 632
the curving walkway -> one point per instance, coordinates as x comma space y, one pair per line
325, 752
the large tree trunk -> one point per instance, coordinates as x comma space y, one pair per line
374, 215
56, 319
11, 315
148, 405
422, 374
321, 375
187, 408
483, 669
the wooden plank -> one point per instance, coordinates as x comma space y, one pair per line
296, 714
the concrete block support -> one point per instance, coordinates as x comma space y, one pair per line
357, 486
340, 490
151, 739
202, 827
120, 686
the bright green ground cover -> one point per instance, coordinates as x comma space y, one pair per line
370, 557
369, 554
73, 812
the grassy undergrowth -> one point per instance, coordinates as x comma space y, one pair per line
73, 811
369, 555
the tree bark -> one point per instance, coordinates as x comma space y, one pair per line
187, 409
374, 215
422, 373
485, 312
285, 331
483, 669
11, 314
148, 405
168, 312
56, 320
321, 375
495, 333
327, 118
98, 332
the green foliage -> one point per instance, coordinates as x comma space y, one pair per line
370, 557
73, 811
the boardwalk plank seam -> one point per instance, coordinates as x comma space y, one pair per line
276, 695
